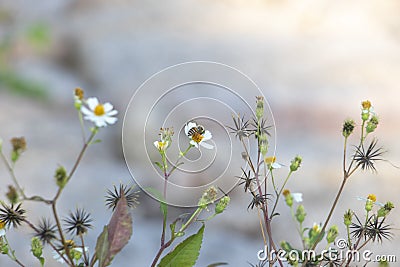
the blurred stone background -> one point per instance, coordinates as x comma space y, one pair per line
314, 60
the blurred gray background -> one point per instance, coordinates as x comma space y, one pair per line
314, 60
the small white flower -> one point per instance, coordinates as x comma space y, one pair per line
100, 114
374, 202
298, 197
271, 161
198, 135
161, 145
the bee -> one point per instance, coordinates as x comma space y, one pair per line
199, 129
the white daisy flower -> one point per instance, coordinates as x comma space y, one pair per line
298, 197
161, 145
198, 135
100, 114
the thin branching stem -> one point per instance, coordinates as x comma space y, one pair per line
10, 169
280, 192
60, 189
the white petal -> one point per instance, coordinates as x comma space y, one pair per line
107, 107
156, 144
276, 165
110, 120
89, 117
100, 122
298, 197
2, 232
189, 126
92, 102
207, 146
57, 257
194, 143
112, 113
85, 111
207, 135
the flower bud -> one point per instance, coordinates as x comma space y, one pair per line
348, 217
288, 197
368, 205
371, 199
4, 249
333, 233
36, 247
314, 231
372, 124
61, 177
300, 214
12, 195
78, 97
295, 164
366, 109
348, 128
19, 146
222, 204
384, 211
208, 197
260, 107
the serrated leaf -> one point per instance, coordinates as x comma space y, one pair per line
119, 229
186, 253
102, 246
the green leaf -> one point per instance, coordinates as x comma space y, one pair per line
102, 246
95, 141
159, 165
186, 253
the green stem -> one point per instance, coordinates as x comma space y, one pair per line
191, 219
11, 252
280, 191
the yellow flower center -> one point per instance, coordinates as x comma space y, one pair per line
270, 160
70, 243
366, 104
2, 225
162, 145
372, 197
316, 228
197, 137
99, 110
